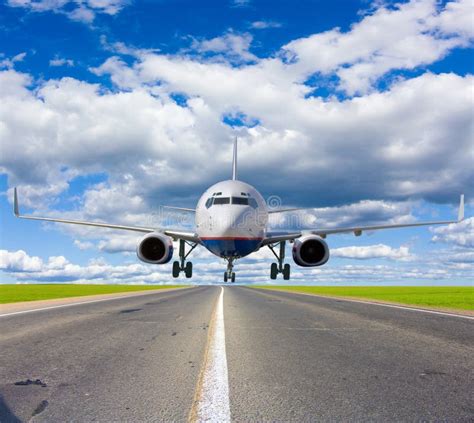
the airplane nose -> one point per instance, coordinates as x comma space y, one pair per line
234, 222
233, 233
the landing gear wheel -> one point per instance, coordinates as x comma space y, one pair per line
176, 269
188, 270
273, 271
279, 267
229, 275
182, 265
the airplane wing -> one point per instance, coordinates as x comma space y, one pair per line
175, 234
185, 235
272, 238
182, 209
357, 230
284, 210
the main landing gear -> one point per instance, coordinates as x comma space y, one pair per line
276, 268
182, 265
229, 275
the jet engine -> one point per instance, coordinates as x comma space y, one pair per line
310, 250
155, 248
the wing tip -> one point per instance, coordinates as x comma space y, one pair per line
16, 210
461, 208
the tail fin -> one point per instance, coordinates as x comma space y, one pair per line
234, 161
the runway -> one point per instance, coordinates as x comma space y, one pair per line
267, 356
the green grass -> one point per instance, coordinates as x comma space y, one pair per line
15, 293
461, 298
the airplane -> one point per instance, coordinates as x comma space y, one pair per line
231, 220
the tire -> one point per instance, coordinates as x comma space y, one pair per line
273, 271
286, 272
225, 277
232, 279
188, 270
176, 269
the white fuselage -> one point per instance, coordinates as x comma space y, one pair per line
231, 217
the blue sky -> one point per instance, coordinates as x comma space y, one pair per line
362, 110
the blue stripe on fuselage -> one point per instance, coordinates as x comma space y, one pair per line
231, 247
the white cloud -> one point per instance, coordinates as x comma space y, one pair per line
25, 268
120, 243
77, 10
362, 213
240, 3
19, 261
233, 47
460, 234
361, 148
80, 131
119, 47
9, 63
457, 18
111, 7
83, 245
40, 196
59, 61
57, 262
265, 24
82, 14
460, 255
58, 269
373, 252
264, 92
408, 36
38, 5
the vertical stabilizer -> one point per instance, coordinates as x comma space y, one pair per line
234, 161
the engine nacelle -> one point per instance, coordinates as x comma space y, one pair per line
155, 248
310, 250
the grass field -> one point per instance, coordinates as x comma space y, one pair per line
461, 298
15, 293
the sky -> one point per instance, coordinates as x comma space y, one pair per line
359, 110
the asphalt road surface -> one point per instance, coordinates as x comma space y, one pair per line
235, 353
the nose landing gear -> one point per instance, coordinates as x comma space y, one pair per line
229, 275
276, 268
182, 265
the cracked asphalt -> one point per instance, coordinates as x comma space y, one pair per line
290, 357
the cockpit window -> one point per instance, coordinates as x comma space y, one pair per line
240, 200
221, 200
253, 203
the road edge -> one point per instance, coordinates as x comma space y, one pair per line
23, 307
451, 313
